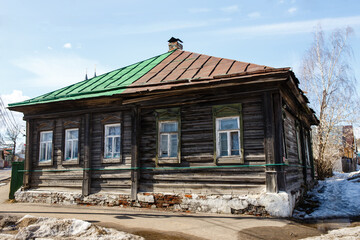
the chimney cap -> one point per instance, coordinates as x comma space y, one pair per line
172, 39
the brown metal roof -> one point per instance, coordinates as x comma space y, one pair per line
182, 65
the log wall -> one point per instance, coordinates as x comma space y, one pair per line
49, 179
294, 172
197, 149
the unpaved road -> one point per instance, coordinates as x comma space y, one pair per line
153, 224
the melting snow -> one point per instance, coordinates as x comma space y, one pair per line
31, 227
338, 196
343, 234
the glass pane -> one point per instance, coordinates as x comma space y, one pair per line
72, 134
164, 145
117, 144
173, 145
49, 151
116, 155
68, 150
75, 149
229, 123
42, 151
114, 130
234, 143
108, 147
45, 137
223, 144
169, 127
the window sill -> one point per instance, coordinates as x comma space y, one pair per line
70, 162
172, 160
111, 160
45, 163
230, 160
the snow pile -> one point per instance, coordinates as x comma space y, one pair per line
52, 228
352, 233
338, 196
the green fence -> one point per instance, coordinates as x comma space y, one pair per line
16, 178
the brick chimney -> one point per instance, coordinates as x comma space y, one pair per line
175, 43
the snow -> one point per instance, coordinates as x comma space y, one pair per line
338, 196
351, 233
31, 227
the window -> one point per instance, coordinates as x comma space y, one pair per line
168, 124
45, 146
71, 144
168, 137
112, 141
228, 136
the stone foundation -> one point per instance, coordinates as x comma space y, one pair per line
275, 204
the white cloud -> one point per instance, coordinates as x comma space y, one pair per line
15, 96
230, 9
199, 10
254, 15
51, 72
292, 10
49, 48
67, 45
286, 28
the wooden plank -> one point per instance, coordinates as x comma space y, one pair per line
271, 179
86, 184
28, 156
278, 143
135, 174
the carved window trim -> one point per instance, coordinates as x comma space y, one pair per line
68, 125
228, 111
168, 115
116, 118
48, 126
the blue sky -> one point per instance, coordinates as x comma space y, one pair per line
46, 45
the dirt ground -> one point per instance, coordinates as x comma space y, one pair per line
152, 224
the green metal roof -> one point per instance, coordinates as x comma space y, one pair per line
108, 84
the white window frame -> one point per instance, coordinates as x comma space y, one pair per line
46, 146
169, 139
218, 131
72, 144
113, 142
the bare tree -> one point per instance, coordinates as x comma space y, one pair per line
330, 84
12, 135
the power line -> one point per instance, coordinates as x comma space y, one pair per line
12, 121
6, 118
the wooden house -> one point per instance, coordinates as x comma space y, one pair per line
177, 128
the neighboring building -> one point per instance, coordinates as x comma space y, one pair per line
5, 157
2, 158
349, 158
180, 127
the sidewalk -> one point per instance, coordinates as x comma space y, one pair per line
5, 173
168, 225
